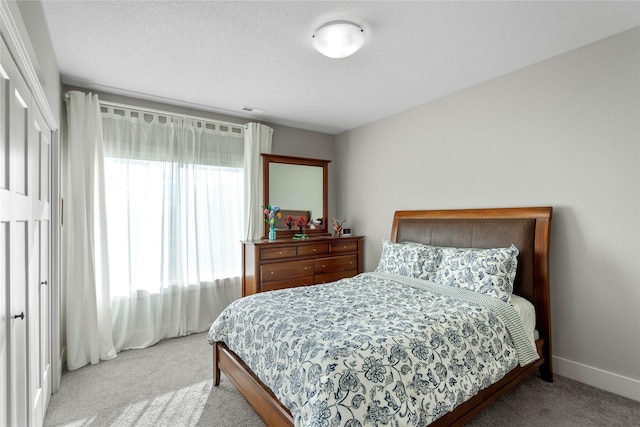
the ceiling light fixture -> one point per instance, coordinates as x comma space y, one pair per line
338, 39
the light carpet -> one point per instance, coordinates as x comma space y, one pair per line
170, 384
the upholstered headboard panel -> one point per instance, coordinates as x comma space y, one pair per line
479, 233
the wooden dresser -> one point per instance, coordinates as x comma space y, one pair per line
286, 263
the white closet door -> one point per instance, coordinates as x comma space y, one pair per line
15, 212
25, 214
39, 290
5, 217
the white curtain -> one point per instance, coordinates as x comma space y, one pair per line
257, 140
154, 212
175, 219
87, 316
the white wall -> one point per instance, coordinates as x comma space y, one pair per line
564, 132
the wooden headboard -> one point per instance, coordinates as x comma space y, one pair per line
526, 228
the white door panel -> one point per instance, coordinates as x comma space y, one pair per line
18, 272
20, 244
4, 318
39, 354
45, 321
4, 119
5, 217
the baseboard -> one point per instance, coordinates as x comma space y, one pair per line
614, 383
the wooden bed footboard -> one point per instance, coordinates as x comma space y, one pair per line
261, 399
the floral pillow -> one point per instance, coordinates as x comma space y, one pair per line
487, 271
432, 256
405, 259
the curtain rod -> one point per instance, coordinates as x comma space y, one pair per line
169, 113
163, 112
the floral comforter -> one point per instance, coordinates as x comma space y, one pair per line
376, 349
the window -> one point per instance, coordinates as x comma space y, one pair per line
174, 203
171, 225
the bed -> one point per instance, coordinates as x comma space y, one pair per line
375, 373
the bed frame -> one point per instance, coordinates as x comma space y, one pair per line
527, 228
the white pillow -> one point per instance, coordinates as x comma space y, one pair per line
405, 259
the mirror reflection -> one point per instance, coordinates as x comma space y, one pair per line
298, 192
298, 186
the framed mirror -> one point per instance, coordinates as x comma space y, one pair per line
298, 186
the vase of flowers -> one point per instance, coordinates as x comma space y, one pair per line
271, 212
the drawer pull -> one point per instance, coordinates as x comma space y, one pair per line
272, 272
323, 266
314, 249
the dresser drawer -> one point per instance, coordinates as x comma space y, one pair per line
315, 249
337, 247
287, 263
339, 263
336, 275
279, 252
286, 270
288, 283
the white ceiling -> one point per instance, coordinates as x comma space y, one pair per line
224, 55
